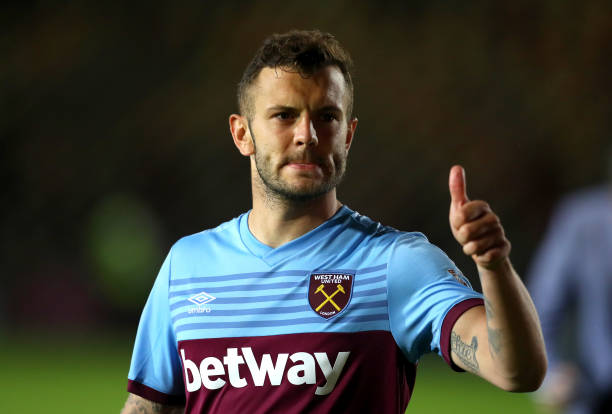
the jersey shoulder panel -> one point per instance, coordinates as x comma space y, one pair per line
420, 262
377, 232
227, 231
192, 252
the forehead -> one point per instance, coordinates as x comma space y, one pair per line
278, 86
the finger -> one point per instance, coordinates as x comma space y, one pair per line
493, 255
457, 186
475, 209
472, 210
475, 229
480, 246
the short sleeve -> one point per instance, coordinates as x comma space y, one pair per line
155, 370
425, 291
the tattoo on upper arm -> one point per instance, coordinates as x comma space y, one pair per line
493, 334
465, 352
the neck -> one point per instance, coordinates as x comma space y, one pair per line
275, 222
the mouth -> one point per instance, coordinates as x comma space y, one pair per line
303, 165
305, 161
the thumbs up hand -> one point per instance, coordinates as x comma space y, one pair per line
475, 226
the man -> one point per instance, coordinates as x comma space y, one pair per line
303, 305
571, 281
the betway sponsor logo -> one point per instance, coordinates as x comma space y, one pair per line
214, 374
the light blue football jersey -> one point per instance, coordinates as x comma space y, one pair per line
349, 276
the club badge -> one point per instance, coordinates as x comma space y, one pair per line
329, 293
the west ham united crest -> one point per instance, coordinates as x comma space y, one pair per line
330, 293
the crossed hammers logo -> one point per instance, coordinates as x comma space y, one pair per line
329, 297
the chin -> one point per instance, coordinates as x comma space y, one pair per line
304, 193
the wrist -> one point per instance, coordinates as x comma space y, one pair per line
502, 266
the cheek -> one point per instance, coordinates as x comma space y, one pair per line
328, 131
268, 154
340, 145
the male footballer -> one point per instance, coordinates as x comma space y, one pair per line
303, 305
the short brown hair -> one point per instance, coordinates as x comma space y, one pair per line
305, 51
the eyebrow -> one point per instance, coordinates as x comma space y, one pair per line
332, 108
326, 108
281, 108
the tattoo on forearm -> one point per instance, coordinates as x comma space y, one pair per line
494, 339
489, 310
494, 335
465, 352
137, 405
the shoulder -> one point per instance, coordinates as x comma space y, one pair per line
226, 230
405, 249
413, 251
590, 197
376, 230
584, 206
205, 245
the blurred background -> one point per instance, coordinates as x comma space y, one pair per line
115, 143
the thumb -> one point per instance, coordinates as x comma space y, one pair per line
457, 186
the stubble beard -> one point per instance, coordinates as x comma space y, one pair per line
276, 189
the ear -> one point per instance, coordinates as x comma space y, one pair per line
240, 133
350, 133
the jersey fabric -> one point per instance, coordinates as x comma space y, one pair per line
333, 321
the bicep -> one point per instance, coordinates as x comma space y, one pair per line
138, 405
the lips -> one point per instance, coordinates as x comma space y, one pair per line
304, 162
303, 165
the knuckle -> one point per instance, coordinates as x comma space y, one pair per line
480, 205
508, 246
467, 248
493, 218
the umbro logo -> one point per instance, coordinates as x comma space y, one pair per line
201, 299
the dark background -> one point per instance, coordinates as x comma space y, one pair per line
115, 141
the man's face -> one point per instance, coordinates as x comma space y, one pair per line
300, 131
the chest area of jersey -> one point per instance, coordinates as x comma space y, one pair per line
283, 301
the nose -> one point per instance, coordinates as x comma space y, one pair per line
305, 132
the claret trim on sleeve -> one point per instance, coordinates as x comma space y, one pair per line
154, 395
447, 326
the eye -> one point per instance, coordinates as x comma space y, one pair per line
329, 117
283, 116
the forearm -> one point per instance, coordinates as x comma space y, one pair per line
515, 341
514, 357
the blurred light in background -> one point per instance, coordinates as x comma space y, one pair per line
124, 247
